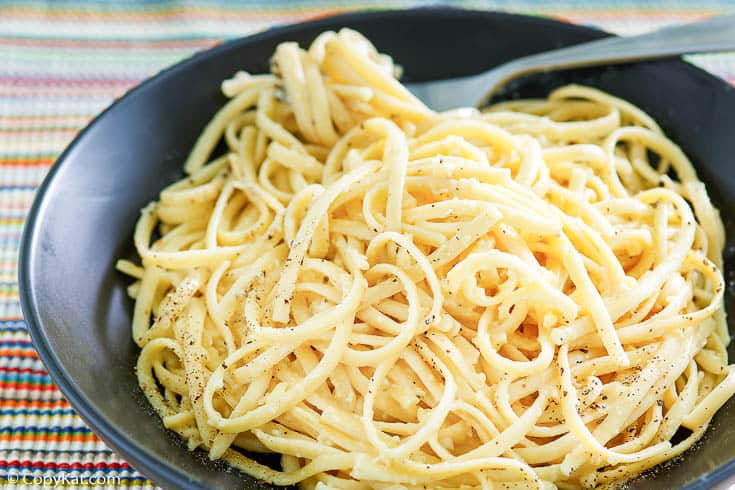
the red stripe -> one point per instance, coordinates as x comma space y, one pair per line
65, 466
23, 370
27, 387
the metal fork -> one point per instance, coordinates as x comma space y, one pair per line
715, 34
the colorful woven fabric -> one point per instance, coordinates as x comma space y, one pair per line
61, 63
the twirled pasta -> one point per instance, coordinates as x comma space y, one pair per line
528, 297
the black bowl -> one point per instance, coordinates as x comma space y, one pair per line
84, 213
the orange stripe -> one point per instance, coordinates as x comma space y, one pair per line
26, 162
18, 404
19, 353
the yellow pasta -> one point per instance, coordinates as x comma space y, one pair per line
393, 298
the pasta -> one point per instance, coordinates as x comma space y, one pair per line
393, 298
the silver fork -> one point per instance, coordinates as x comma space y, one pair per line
715, 34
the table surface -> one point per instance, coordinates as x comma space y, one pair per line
63, 62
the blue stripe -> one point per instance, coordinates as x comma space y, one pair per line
16, 343
37, 412
64, 451
51, 430
25, 377
18, 187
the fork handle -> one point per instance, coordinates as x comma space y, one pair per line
715, 34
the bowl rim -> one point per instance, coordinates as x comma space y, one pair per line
142, 460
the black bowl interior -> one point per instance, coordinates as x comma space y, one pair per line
83, 216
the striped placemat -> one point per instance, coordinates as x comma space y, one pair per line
62, 62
